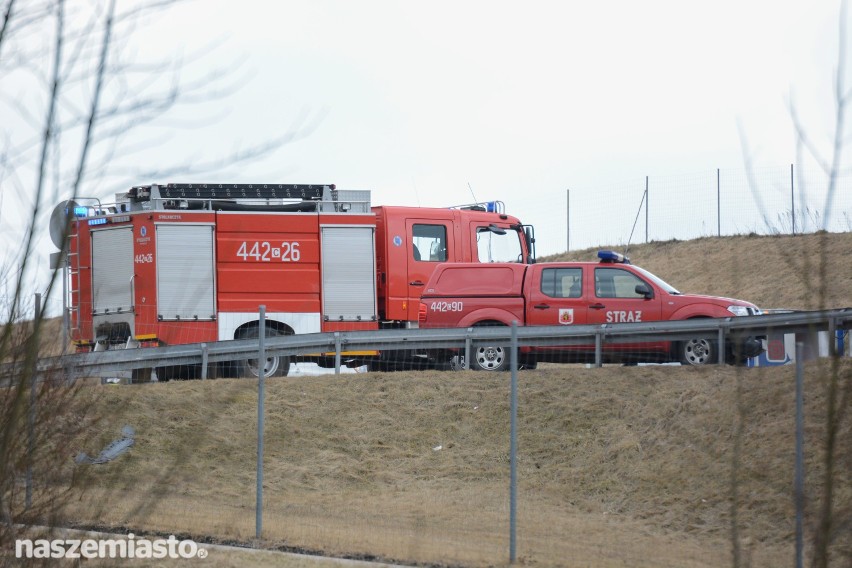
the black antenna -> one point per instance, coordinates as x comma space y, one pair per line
475, 200
636, 220
416, 193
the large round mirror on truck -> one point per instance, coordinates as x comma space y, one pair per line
60, 219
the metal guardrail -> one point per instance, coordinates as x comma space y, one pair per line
92, 364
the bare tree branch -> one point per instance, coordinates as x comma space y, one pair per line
7, 17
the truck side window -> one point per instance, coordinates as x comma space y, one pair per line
429, 243
562, 282
616, 283
491, 247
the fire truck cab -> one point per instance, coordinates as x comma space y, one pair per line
190, 263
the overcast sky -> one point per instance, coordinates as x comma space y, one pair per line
520, 100
421, 102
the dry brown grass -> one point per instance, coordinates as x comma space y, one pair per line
620, 466
617, 466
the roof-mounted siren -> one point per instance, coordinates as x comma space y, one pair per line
487, 206
608, 256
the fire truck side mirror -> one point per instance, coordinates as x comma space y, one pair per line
643, 290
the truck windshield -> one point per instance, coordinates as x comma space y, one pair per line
657, 280
495, 247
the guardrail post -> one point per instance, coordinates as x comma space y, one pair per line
598, 348
467, 347
337, 353
203, 361
721, 345
832, 338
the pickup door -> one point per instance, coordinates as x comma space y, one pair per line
567, 294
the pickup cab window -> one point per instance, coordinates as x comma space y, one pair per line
616, 283
562, 282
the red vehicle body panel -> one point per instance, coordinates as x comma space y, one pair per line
562, 293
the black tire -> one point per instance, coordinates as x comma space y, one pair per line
277, 366
490, 358
698, 351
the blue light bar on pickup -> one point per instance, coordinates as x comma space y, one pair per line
610, 256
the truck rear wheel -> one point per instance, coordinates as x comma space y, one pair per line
698, 351
490, 358
276, 366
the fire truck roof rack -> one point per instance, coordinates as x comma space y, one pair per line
488, 206
268, 197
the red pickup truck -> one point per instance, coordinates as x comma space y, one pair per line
573, 293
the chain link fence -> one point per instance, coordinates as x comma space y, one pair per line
787, 199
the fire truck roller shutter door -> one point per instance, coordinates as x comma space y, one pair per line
348, 273
185, 272
113, 319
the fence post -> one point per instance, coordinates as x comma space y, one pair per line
261, 365
792, 200
721, 345
31, 416
337, 357
799, 474
718, 203
513, 446
647, 203
567, 220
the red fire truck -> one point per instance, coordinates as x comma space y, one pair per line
189, 263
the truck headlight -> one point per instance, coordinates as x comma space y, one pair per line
738, 310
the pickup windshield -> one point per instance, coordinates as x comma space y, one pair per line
657, 280
501, 246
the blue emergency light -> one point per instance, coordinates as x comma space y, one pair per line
80, 211
610, 256
491, 206
98, 221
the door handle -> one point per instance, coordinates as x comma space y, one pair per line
541, 306
416, 283
597, 306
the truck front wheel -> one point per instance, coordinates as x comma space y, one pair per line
490, 358
698, 351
